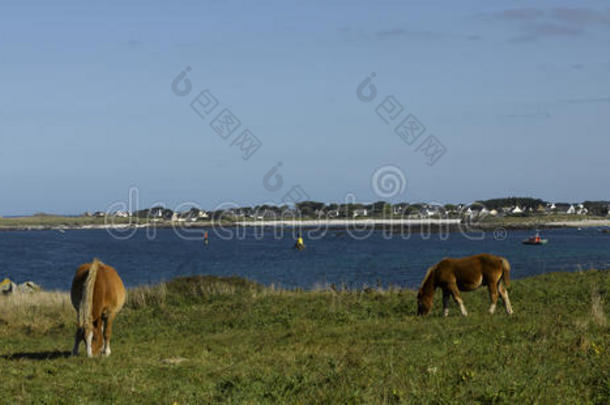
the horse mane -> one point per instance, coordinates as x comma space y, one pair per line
428, 274
86, 301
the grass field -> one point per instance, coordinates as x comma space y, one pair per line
206, 339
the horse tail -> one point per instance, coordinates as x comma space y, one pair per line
505, 271
85, 307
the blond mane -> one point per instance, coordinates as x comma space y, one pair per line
428, 273
86, 301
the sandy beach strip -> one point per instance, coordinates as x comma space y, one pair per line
349, 222
582, 223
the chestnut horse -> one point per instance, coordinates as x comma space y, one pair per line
97, 295
465, 274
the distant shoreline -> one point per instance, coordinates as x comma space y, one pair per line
450, 224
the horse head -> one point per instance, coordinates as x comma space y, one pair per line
425, 295
424, 302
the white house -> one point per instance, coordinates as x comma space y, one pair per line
332, 213
571, 210
360, 212
202, 214
516, 210
429, 212
473, 212
399, 209
156, 212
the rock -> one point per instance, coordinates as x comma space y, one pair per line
28, 287
7, 287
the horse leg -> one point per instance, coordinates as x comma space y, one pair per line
93, 337
89, 342
108, 333
455, 292
493, 296
98, 336
504, 295
446, 295
77, 338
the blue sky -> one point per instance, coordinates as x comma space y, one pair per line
518, 93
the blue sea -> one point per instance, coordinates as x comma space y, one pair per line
50, 258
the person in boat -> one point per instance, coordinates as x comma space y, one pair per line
205, 238
299, 243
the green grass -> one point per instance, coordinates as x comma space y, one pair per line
48, 221
207, 339
55, 220
534, 219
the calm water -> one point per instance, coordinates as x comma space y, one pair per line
50, 258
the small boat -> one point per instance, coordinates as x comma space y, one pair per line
535, 240
532, 241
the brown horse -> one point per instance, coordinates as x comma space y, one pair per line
465, 274
97, 295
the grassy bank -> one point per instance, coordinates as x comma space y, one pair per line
208, 339
488, 223
55, 221
534, 221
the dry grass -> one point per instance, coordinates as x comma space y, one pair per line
212, 286
597, 308
143, 296
37, 311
